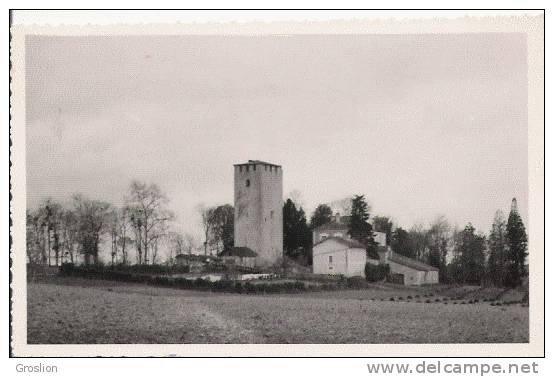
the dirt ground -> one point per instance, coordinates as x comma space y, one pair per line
71, 311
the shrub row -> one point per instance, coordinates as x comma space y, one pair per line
230, 286
123, 268
375, 273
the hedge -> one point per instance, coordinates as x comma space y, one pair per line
375, 273
230, 286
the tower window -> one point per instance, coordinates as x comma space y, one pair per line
247, 183
254, 167
271, 214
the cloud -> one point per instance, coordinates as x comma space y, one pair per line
421, 124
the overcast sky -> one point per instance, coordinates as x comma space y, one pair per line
422, 125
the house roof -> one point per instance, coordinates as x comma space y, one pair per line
411, 263
239, 251
333, 225
257, 162
353, 244
192, 257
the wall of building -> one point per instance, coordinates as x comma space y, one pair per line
345, 261
380, 238
239, 261
411, 276
258, 211
431, 277
320, 235
356, 262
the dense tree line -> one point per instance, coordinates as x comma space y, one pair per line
467, 256
75, 231
462, 256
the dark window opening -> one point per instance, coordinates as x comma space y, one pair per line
247, 183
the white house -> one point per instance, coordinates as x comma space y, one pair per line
336, 253
339, 228
339, 256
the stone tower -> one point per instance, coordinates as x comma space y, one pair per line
259, 210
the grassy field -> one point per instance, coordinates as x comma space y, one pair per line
70, 310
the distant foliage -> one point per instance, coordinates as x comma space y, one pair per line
69, 268
359, 227
375, 273
438, 237
323, 214
230, 286
149, 215
297, 236
498, 251
222, 227
383, 224
468, 266
401, 243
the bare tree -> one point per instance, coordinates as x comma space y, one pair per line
123, 240
69, 233
159, 233
148, 214
180, 244
35, 240
207, 215
222, 227
92, 217
439, 241
50, 213
113, 224
136, 223
419, 237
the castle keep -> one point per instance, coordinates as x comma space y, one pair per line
259, 210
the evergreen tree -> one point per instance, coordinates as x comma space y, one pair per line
322, 215
401, 243
358, 226
297, 237
468, 266
517, 248
496, 264
383, 224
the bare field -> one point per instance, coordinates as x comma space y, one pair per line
72, 311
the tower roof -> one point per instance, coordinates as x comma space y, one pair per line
257, 162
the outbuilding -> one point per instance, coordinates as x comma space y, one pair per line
409, 271
195, 262
239, 256
339, 256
